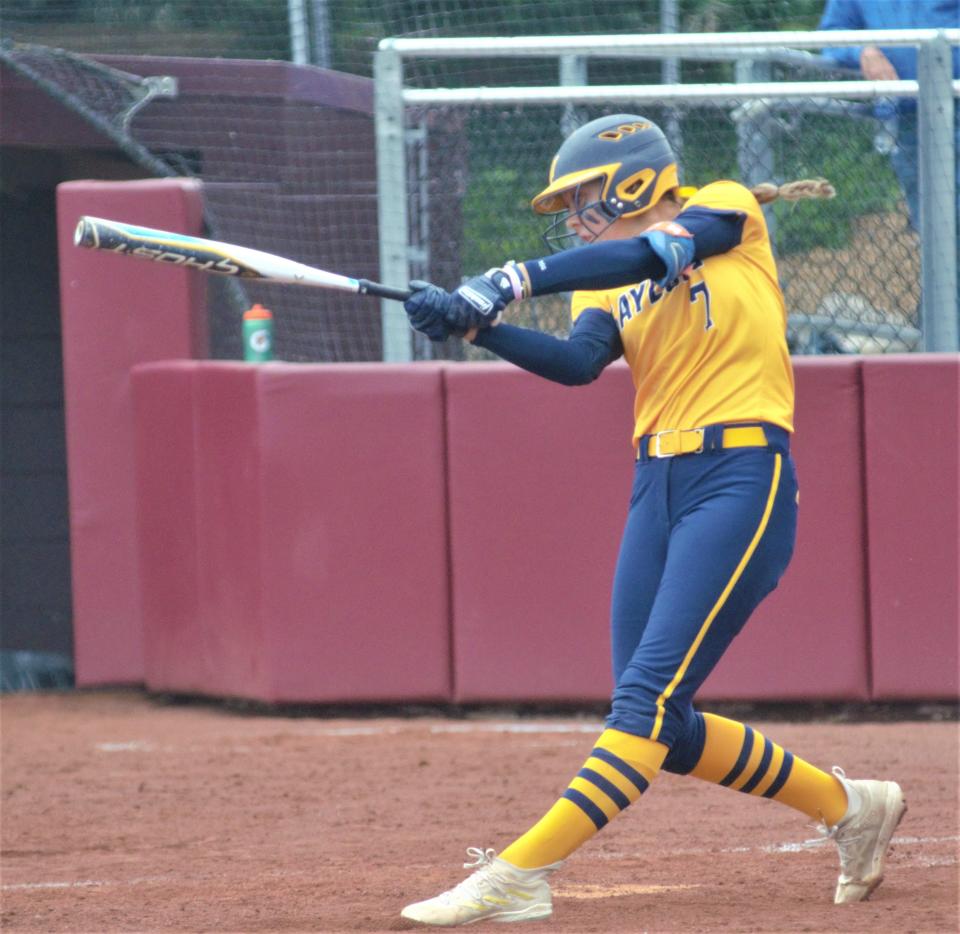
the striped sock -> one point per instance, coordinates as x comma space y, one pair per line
737, 756
618, 771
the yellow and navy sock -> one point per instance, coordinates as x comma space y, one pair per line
617, 772
739, 757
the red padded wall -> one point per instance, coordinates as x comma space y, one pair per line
116, 312
808, 639
539, 484
539, 480
319, 533
354, 533
227, 478
167, 525
293, 533
911, 416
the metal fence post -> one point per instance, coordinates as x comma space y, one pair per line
572, 73
322, 54
670, 74
299, 34
392, 200
755, 126
938, 196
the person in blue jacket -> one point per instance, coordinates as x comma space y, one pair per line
892, 64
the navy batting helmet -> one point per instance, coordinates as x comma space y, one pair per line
627, 153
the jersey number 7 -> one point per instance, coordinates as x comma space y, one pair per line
695, 292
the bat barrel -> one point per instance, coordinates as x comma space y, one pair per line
86, 233
214, 256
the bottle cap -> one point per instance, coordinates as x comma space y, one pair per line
258, 311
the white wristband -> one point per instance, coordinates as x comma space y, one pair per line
515, 281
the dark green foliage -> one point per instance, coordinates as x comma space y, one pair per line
497, 221
259, 28
749, 15
842, 151
508, 157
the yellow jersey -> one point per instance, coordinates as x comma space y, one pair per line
713, 348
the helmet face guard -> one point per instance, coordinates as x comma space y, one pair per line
593, 216
630, 158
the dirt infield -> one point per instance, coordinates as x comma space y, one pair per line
121, 813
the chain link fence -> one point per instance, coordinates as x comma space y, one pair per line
850, 267
287, 167
297, 175
343, 34
853, 269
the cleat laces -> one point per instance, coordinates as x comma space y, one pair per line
849, 847
484, 886
480, 856
494, 890
848, 839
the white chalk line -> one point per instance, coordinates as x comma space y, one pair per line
82, 884
568, 891
141, 745
613, 890
908, 841
133, 745
824, 841
800, 847
29, 886
518, 728
506, 727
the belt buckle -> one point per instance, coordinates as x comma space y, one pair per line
679, 432
658, 445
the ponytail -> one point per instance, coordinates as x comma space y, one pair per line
793, 191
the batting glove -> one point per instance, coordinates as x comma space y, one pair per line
427, 310
674, 245
480, 301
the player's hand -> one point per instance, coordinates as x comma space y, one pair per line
427, 310
480, 301
673, 243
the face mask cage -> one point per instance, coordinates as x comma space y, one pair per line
594, 217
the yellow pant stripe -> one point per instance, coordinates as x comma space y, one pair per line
701, 635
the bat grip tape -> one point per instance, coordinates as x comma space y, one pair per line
366, 287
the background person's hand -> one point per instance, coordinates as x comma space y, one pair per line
875, 66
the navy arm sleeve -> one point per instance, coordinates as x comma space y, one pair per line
614, 263
714, 231
594, 341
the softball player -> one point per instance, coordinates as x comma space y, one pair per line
682, 284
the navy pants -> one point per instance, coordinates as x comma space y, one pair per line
707, 537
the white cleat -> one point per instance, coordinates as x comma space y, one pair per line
496, 891
864, 838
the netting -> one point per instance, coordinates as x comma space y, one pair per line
108, 98
343, 34
849, 266
287, 154
287, 168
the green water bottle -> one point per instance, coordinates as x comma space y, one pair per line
258, 335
